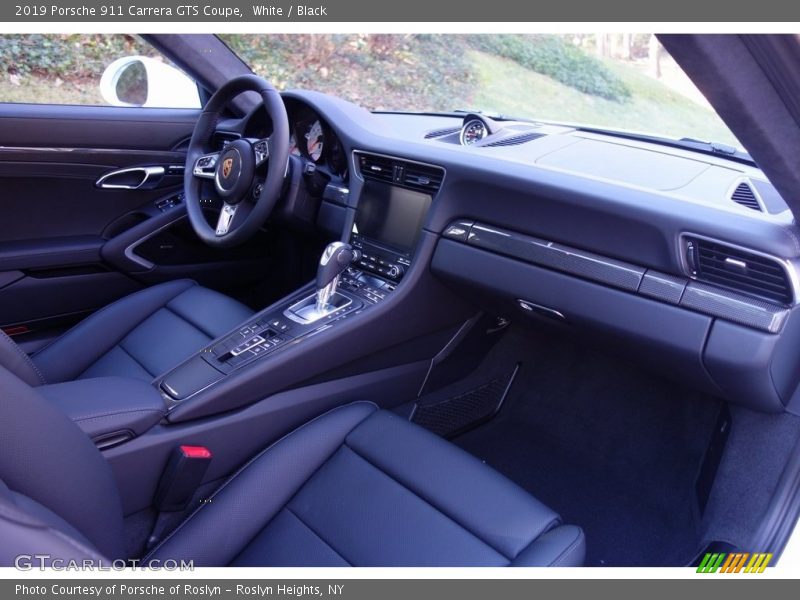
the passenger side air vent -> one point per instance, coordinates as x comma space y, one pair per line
437, 133
739, 270
515, 140
416, 176
744, 195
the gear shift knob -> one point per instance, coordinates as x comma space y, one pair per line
336, 257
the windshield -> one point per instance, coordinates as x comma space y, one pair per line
623, 82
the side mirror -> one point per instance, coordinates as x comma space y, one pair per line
143, 81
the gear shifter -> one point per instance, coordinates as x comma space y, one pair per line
326, 301
336, 257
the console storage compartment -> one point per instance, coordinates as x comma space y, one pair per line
111, 410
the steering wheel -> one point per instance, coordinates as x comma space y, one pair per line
233, 169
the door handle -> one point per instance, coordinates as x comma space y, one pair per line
133, 178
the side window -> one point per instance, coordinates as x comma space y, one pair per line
91, 69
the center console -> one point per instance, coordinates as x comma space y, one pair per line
351, 277
387, 224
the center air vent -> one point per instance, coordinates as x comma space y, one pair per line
746, 272
413, 175
376, 167
743, 194
515, 140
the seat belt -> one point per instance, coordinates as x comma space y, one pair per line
183, 475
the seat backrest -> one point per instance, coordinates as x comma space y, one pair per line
53, 480
14, 358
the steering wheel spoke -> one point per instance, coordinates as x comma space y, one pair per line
232, 216
205, 166
261, 149
226, 216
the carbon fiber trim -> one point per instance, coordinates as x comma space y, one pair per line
554, 256
734, 307
661, 286
699, 297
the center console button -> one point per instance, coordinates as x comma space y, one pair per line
259, 350
279, 324
245, 346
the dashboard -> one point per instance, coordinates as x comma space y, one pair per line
684, 261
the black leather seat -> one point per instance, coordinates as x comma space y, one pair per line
356, 486
139, 336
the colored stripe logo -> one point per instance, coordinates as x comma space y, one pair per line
736, 562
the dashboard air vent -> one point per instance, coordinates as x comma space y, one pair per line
416, 176
376, 167
739, 270
423, 177
744, 195
437, 133
515, 140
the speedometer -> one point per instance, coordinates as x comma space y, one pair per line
314, 141
473, 131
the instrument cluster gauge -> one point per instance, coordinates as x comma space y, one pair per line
315, 141
473, 131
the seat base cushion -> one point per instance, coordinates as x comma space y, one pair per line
142, 335
363, 487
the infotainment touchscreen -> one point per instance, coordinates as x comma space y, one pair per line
391, 215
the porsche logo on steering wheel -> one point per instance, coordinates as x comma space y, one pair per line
227, 165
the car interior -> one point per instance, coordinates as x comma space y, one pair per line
283, 330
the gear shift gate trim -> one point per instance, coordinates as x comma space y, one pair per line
307, 311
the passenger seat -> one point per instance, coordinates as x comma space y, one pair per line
356, 486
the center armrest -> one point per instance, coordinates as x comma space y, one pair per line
111, 410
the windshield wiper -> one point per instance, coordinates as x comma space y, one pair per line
687, 143
715, 147
492, 115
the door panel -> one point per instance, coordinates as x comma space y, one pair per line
100, 127
64, 244
50, 204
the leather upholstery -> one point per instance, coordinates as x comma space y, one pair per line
46, 459
139, 336
364, 487
105, 405
28, 527
355, 486
14, 358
